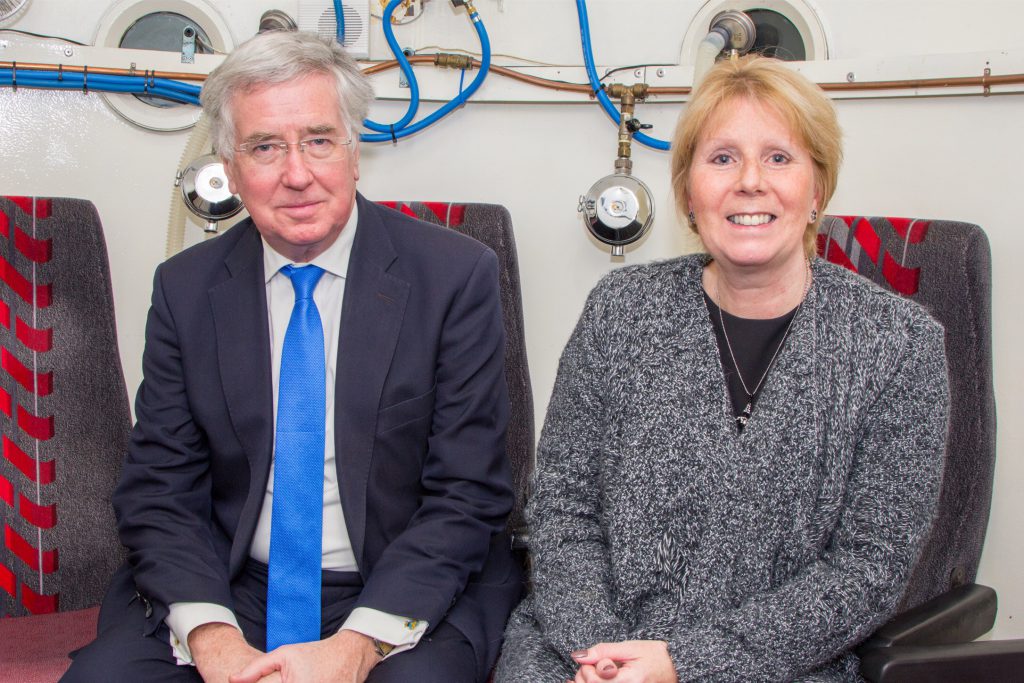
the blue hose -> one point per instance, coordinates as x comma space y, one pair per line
339, 21
414, 87
457, 101
73, 80
189, 94
595, 82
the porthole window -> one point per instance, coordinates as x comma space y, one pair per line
166, 31
787, 29
777, 36
161, 25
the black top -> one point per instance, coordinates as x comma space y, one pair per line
754, 342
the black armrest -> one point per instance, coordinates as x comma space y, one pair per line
932, 642
957, 616
993, 661
521, 539
521, 547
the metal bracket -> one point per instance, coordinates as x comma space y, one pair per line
188, 45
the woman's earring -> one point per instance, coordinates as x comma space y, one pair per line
693, 219
814, 215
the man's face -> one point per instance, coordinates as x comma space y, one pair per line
299, 205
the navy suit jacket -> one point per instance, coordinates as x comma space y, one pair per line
420, 417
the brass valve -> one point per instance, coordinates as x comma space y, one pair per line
628, 124
447, 60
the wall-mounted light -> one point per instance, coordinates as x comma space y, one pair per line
205, 191
618, 210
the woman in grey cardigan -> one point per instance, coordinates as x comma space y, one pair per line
744, 448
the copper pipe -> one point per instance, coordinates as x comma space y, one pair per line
961, 82
956, 82
674, 90
390, 64
509, 73
915, 84
174, 75
544, 82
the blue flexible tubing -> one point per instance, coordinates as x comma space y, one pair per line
100, 81
410, 77
69, 80
457, 101
595, 82
189, 94
339, 20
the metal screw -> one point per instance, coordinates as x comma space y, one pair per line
69, 51
850, 77
639, 73
661, 73
403, 82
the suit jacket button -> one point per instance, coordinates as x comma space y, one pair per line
145, 601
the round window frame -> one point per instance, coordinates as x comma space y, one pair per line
123, 15
800, 13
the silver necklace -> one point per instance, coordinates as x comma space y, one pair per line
749, 408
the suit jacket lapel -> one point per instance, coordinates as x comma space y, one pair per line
371, 320
239, 307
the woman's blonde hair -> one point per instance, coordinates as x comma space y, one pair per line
802, 104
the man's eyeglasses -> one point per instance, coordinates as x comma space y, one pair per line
319, 148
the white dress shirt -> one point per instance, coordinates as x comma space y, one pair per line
337, 551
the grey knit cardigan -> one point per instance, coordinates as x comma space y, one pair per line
761, 556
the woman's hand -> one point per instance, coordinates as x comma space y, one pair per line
631, 661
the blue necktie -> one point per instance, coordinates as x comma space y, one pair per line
293, 583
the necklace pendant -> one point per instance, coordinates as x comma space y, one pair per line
745, 416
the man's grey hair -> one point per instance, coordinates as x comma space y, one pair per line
276, 57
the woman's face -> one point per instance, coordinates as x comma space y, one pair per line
751, 187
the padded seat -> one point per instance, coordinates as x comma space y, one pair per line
946, 267
64, 421
34, 649
492, 225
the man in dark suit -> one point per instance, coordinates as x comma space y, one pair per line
413, 574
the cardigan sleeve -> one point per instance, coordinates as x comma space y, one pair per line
857, 581
572, 594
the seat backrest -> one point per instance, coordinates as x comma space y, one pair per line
945, 266
492, 225
65, 416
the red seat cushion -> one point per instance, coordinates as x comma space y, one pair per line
34, 649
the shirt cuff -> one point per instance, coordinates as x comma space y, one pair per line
183, 617
401, 632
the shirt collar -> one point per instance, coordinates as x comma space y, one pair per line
334, 259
